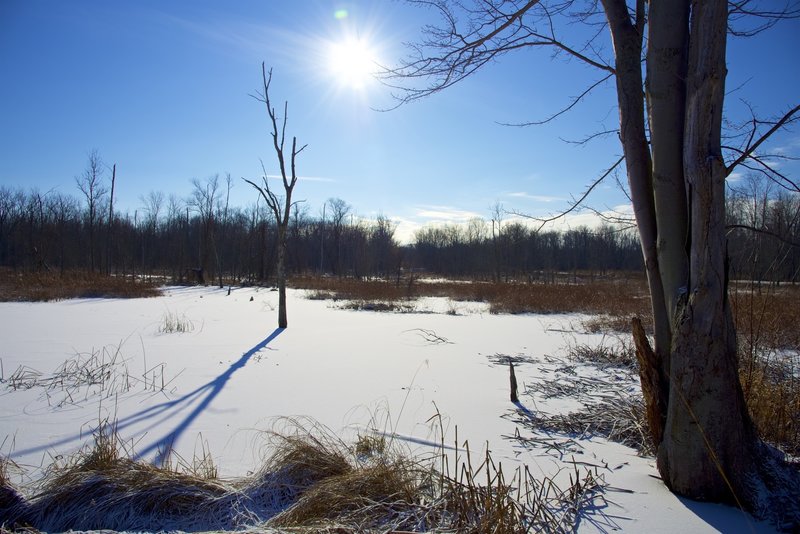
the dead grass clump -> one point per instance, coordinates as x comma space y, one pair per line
767, 315
379, 306
172, 323
304, 457
369, 290
768, 326
311, 481
621, 420
617, 296
617, 324
772, 393
599, 297
105, 488
11, 502
613, 351
102, 372
370, 496
47, 286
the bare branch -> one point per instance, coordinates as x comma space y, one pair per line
574, 103
577, 203
452, 52
739, 10
749, 228
590, 137
752, 146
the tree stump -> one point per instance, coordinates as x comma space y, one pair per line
513, 381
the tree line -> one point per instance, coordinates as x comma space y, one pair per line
203, 238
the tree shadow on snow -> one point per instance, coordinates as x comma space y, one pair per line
195, 402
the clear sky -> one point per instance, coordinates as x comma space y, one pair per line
161, 88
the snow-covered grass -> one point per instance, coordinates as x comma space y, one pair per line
417, 380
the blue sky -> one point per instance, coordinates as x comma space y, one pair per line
162, 90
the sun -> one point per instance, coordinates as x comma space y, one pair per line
351, 62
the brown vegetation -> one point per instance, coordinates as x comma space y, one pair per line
45, 286
768, 322
619, 294
310, 482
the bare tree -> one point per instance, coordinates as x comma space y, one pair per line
90, 183
280, 207
204, 200
339, 210
671, 136
110, 229
223, 216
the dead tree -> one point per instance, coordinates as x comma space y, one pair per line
91, 185
280, 207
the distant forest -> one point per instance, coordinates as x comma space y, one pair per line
201, 238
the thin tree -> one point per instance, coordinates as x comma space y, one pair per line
91, 185
110, 230
280, 207
223, 232
671, 136
205, 200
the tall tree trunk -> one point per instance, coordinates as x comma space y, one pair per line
709, 443
110, 219
627, 38
281, 268
667, 49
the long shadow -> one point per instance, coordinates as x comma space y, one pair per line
202, 396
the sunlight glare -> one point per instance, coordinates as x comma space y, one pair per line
351, 62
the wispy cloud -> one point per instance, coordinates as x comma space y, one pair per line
240, 38
536, 198
445, 214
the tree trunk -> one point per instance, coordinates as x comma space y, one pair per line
709, 443
627, 40
667, 49
281, 268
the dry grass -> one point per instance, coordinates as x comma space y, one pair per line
768, 325
310, 482
172, 323
47, 286
621, 295
103, 373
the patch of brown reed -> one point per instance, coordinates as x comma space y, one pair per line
47, 286
622, 295
768, 326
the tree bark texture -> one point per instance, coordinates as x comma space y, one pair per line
281, 272
667, 49
708, 445
627, 39
695, 405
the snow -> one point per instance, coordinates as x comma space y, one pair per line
222, 384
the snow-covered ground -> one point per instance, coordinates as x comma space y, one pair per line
221, 384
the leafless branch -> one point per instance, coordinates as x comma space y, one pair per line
749, 228
590, 137
765, 18
575, 204
571, 105
454, 51
618, 219
753, 144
